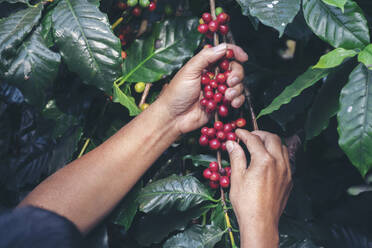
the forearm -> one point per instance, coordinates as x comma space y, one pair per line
258, 235
87, 189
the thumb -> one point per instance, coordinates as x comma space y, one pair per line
204, 58
237, 159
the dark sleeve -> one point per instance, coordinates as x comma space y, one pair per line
35, 227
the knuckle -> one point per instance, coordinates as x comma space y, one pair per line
268, 160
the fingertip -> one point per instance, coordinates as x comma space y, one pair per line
238, 101
239, 53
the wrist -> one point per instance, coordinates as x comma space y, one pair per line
258, 234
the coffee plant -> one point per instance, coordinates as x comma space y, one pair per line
73, 72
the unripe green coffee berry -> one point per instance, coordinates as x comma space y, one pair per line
219, 10
139, 87
144, 3
132, 3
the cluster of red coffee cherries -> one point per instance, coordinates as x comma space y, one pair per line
217, 176
208, 26
137, 6
216, 136
214, 87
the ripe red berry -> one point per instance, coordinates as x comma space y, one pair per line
207, 88
218, 125
222, 172
213, 26
203, 140
224, 29
210, 74
203, 102
223, 146
221, 135
224, 182
218, 97
207, 18
121, 37
223, 111
213, 83
152, 6
122, 6
228, 171
213, 166
137, 11
211, 133
227, 73
231, 136
214, 177
207, 173
224, 65
222, 88
208, 46
214, 144
205, 79
211, 106
123, 54
214, 184
204, 130
229, 54
208, 94
223, 18
221, 78
227, 128
241, 122
233, 124
203, 28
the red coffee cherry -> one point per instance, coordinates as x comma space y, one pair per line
210, 74
217, 97
223, 146
214, 144
203, 102
228, 171
211, 106
211, 133
218, 125
204, 130
208, 46
207, 18
227, 128
222, 88
222, 172
213, 166
214, 184
227, 73
207, 173
208, 94
203, 140
205, 79
137, 11
224, 29
213, 26
223, 18
241, 122
213, 83
223, 111
224, 182
231, 136
152, 6
224, 65
221, 78
221, 135
207, 88
214, 177
233, 125
203, 28
122, 6
229, 54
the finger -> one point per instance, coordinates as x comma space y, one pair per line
253, 143
238, 101
236, 75
234, 92
272, 143
237, 159
239, 53
286, 160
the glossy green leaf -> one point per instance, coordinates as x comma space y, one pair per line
348, 30
355, 119
128, 207
14, 1
326, 103
171, 43
365, 56
204, 160
196, 236
274, 13
334, 58
126, 101
13, 30
147, 230
46, 28
310, 77
34, 69
337, 3
174, 192
86, 42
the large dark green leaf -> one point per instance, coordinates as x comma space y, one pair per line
334, 58
86, 42
355, 119
348, 30
326, 103
148, 230
13, 30
174, 192
365, 56
274, 13
310, 77
125, 99
170, 44
34, 69
196, 236
336, 3
14, 1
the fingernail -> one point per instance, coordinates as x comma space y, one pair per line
232, 81
231, 93
220, 48
229, 146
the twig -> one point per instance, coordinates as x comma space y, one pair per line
117, 22
145, 94
247, 94
84, 147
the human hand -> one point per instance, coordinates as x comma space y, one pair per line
260, 192
183, 94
